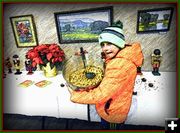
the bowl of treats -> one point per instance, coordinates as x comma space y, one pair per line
83, 71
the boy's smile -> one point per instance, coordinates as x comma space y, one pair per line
110, 50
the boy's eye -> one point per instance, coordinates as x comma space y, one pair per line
106, 44
102, 44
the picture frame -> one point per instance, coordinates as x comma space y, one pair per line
154, 20
82, 26
24, 31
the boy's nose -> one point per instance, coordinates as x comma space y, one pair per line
105, 47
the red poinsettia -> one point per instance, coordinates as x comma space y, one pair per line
45, 53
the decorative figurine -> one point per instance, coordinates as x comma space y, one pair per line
8, 64
16, 62
156, 59
29, 67
82, 52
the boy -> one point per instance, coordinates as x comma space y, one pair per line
114, 94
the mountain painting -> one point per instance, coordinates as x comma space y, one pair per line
82, 26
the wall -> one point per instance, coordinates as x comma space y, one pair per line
127, 13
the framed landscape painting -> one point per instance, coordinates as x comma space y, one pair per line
82, 26
154, 20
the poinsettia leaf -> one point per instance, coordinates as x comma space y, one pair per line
36, 60
49, 56
60, 59
34, 64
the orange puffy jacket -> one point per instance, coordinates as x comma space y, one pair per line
113, 95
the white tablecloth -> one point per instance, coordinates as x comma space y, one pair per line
52, 100
154, 104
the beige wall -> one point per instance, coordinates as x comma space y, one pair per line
127, 13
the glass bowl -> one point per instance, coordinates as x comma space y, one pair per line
79, 76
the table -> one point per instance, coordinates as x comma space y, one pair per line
52, 100
154, 103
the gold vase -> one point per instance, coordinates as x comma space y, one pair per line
48, 72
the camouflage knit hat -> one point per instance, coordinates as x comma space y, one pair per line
113, 34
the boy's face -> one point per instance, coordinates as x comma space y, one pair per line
110, 50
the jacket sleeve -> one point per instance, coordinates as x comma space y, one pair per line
114, 79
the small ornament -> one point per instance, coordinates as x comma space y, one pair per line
62, 85
16, 62
8, 64
156, 59
143, 79
29, 66
150, 85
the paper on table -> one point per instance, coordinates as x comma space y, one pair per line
43, 83
26, 83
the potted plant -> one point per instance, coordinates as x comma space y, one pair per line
49, 57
